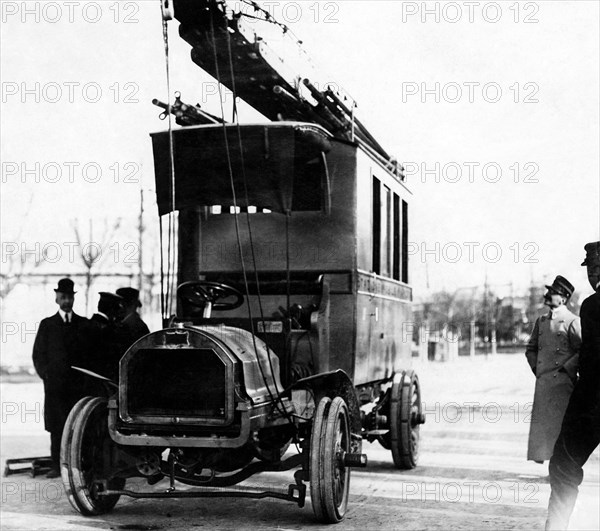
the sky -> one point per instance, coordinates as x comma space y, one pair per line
492, 107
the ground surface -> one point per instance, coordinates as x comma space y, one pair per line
472, 471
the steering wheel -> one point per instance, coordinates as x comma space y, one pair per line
209, 294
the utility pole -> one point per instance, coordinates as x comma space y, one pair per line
472, 334
493, 334
141, 244
513, 335
486, 317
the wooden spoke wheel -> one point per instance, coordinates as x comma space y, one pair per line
329, 477
405, 418
84, 448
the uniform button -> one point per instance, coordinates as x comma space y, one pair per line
554, 376
556, 363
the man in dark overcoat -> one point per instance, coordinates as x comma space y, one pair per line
553, 355
132, 323
580, 432
60, 342
109, 343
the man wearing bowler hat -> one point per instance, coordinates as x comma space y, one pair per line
60, 342
553, 355
580, 432
132, 322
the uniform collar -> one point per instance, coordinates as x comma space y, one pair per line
129, 316
556, 312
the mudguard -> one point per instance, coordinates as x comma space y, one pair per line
332, 384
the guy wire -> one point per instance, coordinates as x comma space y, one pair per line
170, 227
235, 213
249, 225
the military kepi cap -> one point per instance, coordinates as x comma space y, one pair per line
65, 285
592, 254
110, 297
561, 286
109, 303
130, 295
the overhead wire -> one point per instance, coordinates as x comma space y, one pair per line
167, 295
235, 208
166, 298
162, 270
249, 226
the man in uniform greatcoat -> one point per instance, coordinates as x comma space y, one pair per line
60, 342
580, 432
133, 324
553, 355
108, 335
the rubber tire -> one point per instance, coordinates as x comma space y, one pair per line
404, 435
65, 448
330, 479
316, 486
90, 413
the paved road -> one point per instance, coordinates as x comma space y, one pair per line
472, 472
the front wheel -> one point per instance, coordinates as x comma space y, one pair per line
329, 477
84, 450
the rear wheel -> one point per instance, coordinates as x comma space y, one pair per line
85, 449
405, 418
329, 477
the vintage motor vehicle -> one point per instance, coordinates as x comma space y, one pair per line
290, 344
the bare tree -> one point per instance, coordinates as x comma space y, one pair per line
93, 253
15, 262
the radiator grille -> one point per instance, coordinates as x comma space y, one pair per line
183, 382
